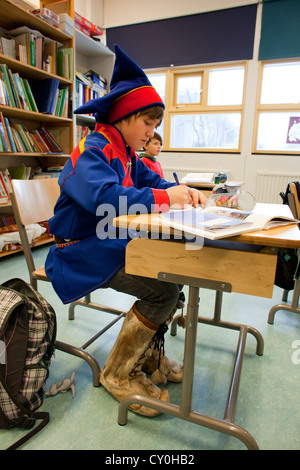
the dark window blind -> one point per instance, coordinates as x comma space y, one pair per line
280, 30
217, 36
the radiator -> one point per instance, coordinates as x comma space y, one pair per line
269, 185
181, 172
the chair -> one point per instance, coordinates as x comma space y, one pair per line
33, 201
292, 197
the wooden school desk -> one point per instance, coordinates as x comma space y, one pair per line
236, 266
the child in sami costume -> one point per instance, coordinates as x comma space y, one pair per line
102, 171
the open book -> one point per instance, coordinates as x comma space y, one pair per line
221, 222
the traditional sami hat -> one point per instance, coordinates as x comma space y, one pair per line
130, 92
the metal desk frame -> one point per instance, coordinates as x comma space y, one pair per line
287, 237
184, 411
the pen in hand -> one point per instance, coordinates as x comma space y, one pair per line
176, 178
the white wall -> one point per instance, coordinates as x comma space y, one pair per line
120, 12
244, 166
92, 10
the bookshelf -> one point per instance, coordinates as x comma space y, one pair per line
13, 15
92, 55
88, 55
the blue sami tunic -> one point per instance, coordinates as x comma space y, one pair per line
100, 171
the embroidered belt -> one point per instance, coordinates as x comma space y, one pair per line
62, 243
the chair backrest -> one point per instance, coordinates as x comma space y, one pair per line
294, 202
35, 199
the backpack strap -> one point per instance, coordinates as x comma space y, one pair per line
29, 419
28, 423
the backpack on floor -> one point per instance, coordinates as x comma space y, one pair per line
27, 341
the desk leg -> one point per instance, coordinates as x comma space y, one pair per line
216, 321
184, 411
294, 307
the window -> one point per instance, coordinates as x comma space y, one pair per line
277, 127
158, 80
204, 107
188, 89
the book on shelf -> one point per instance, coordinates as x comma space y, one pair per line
22, 97
19, 172
14, 91
30, 96
21, 48
4, 135
6, 81
221, 222
3, 99
7, 220
6, 179
24, 139
49, 139
10, 135
45, 174
82, 131
17, 138
44, 92
4, 197
50, 56
61, 107
86, 89
65, 63
39, 51
32, 47
8, 47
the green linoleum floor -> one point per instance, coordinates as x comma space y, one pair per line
269, 395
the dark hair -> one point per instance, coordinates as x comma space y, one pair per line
157, 137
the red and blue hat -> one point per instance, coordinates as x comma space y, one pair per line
130, 92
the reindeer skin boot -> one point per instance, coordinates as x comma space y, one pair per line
121, 374
162, 368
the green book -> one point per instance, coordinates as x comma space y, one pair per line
65, 62
4, 70
63, 97
21, 95
30, 95
32, 38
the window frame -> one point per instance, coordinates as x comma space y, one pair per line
172, 108
267, 108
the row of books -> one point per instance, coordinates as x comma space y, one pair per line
33, 48
86, 89
42, 96
6, 221
15, 91
5, 187
16, 138
81, 132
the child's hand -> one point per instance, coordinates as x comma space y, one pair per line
197, 197
182, 195
179, 196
